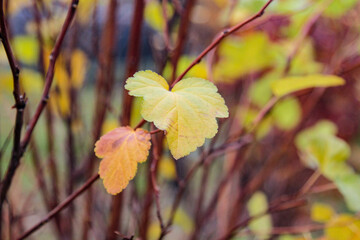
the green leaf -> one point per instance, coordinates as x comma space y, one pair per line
320, 148
241, 56
289, 85
349, 186
287, 113
260, 226
339, 7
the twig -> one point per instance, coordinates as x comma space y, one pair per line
50, 74
219, 38
104, 87
61, 206
153, 171
133, 56
183, 31
20, 103
310, 182
167, 39
52, 198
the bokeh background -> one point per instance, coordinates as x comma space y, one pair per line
293, 38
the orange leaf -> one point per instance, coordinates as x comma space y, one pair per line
121, 149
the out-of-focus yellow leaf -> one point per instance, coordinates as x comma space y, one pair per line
31, 81
183, 220
167, 168
343, 227
187, 113
26, 49
109, 125
85, 11
260, 92
289, 85
121, 149
78, 68
286, 113
62, 88
261, 226
321, 212
6, 83
199, 70
182, 224
154, 14
135, 117
241, 56
153, 231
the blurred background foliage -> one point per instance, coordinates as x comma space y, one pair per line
316, 131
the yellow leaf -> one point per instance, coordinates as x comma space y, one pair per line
121, 150
78, 68
343, 227
262, 225
26, 48
167, 168
154, 14
31, 81
292, 84
109, 125
321, 212
187, 113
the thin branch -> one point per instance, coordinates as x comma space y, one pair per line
50, 73
61, 206
20, 103
19, 148
153, 171
19, 100
220, 37
104, 87
133, 56
182, 34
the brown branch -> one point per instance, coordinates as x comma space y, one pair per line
104, 86
153, 170
19, 149
132, 62
53, 198
50, 73
61, 206
182, 34
20, 103
166, 34
19, 100
133, 57
219, 38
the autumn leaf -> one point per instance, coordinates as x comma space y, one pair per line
121, 149
187, 112
288, 85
